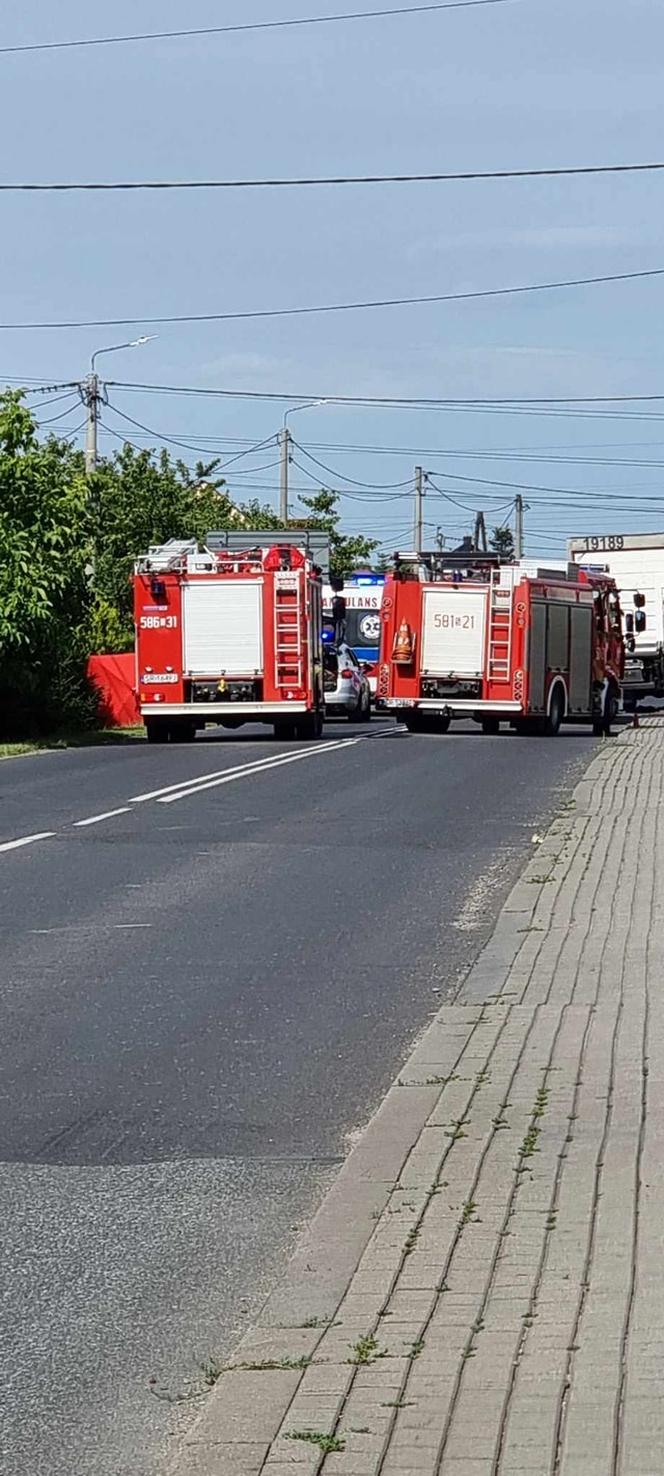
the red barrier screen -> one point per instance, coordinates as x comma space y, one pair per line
114, 678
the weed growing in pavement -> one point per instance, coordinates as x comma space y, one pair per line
326, 1443
456, 1128
366, 1350
211, 1370
319, 1322
529, 1144
360, 1430
416, 1348
268, 1365
468, 1212
411, 1241
538, 881
397, 1403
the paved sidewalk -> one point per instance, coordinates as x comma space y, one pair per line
483, 1292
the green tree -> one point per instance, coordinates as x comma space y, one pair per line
502, 542
44, 593
347, 551
141, 498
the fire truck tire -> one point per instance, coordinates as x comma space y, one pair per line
602, 725
183, 730
551, 723
157, 730
284, 730
427, 722
310, 726
490, 725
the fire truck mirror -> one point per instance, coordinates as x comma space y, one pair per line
629, 623
640, 622
639, 600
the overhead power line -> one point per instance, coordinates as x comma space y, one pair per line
244, 26
352, 481
398, 401
338, 307
446, 177
187, 445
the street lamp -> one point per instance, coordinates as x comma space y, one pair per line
114, 348
285, 444
91, 397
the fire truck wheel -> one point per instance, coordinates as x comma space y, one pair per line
310, 726
182, 731
157, 730
602, 725
551, 724
490, 725
284, 730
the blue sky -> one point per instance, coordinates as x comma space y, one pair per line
533, 83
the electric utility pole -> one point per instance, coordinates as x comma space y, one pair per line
91, 399
285, 445
518, 526
418, 527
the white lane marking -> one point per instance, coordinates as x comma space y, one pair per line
246, 768
125, 927
97, 819
229, 778
27, 840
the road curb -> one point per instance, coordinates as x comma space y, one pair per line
247, 1409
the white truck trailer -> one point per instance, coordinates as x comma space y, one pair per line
636, 562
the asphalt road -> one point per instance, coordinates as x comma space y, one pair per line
202, 999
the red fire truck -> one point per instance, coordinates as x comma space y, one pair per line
470, 636
230, 634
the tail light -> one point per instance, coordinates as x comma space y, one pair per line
346, 673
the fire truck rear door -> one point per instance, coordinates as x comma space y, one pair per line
580, 658
222, 627
453, 633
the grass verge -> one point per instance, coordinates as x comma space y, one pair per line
95, 738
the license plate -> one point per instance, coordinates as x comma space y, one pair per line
159, 679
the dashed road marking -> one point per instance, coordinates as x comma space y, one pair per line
26, 840
97, 819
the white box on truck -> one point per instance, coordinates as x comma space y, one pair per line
636, 562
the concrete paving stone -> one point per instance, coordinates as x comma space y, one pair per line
359, 1309
325, 1378
298, 1456
644, 1415
469, 1446
643, 1458
222, 1460
385, 1373
245, 1407
264, 1344
315, 1411
350, 1463
277, 1468
405, 1305
409, 1459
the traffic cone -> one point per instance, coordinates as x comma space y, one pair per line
403, 646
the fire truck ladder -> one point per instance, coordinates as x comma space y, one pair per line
500, 629
288, 631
